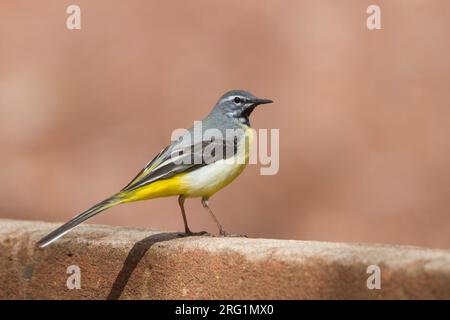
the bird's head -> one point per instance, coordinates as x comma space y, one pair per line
239, 104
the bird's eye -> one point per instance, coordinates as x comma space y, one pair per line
237, 100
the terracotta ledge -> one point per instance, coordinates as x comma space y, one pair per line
131, 263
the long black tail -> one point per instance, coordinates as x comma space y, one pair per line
75, 221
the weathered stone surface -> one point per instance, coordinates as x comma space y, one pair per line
125, 263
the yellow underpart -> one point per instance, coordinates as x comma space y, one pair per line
161, 188
195, 183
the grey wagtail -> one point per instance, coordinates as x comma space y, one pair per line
173, 173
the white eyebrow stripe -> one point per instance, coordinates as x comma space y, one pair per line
231, 98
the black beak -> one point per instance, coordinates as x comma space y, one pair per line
258, 101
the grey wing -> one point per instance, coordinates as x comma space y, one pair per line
179, 158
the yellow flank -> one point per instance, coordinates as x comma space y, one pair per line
201, 182
161, 188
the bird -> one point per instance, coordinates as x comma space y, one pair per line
183, 168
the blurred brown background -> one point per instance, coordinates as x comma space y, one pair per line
364, 116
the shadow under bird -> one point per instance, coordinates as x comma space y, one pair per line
168, 174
